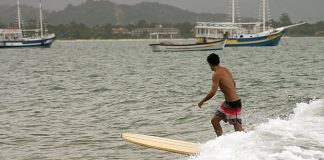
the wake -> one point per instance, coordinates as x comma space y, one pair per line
299, 137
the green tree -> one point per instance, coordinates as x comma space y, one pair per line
274, 24
78, 30
142, 24
107, 30
285, 20
32, 24
186, 29
2, 25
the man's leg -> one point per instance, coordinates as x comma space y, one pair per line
217, 127
238, 126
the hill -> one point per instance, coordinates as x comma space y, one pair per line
102, 12
96, 12
8, 14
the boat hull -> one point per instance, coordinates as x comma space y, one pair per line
268, 40
215, 45
42, 42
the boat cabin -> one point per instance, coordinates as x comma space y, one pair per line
10, 34
232, 30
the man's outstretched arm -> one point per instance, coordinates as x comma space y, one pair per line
212, 92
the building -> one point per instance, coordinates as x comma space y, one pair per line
120, 30
148, 32
319, 33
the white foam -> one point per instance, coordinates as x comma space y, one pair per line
299, 137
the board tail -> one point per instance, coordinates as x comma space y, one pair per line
165, 144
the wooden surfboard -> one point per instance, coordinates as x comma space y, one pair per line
165, 144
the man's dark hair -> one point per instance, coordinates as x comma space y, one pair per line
213, 59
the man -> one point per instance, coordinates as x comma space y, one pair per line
225, 36
230, 110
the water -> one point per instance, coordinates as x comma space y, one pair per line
299, 137
73, 100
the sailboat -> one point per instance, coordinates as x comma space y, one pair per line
254, 34
14, 37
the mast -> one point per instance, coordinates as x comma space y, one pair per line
233, 11
18, 15
264, 14
41, 18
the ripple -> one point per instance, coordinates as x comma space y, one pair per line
73, 102
102, 89
57, 88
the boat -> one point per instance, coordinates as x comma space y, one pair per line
14, 37
171, 47
241, 34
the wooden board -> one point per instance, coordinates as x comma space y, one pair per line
165, 144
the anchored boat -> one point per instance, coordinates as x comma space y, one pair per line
171, 47
241, 34
14, 37
168, 46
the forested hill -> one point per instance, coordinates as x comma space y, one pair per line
94, 12
8, 14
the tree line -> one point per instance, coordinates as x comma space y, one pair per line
75, 30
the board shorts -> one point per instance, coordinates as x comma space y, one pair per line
230, 112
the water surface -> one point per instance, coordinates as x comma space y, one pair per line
73, 100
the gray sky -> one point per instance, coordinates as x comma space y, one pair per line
306, 10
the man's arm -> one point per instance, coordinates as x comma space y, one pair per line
212, 92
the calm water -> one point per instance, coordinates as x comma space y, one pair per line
73, 100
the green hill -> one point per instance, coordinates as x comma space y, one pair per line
95, 12
8, 14
102, 12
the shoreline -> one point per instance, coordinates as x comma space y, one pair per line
178, 39
123, 39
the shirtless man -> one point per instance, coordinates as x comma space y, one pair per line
225, 36
230, 109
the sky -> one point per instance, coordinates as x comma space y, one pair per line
298, 10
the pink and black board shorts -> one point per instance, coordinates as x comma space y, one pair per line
230, 112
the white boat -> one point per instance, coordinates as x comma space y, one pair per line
14, 37
241, 34
171, 47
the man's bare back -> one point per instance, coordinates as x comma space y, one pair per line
226, 83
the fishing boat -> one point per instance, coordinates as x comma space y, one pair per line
241, 34
14, 37
171, 47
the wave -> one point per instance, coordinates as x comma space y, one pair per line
298, 137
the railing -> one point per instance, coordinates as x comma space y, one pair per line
10, 31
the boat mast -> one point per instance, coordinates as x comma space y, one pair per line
233, 16
264, 14
233, 11
41, 18
18, 15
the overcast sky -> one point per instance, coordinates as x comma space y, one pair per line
306, 10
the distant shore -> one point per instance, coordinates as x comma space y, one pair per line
175, 39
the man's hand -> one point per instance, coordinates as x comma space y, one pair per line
200, 104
